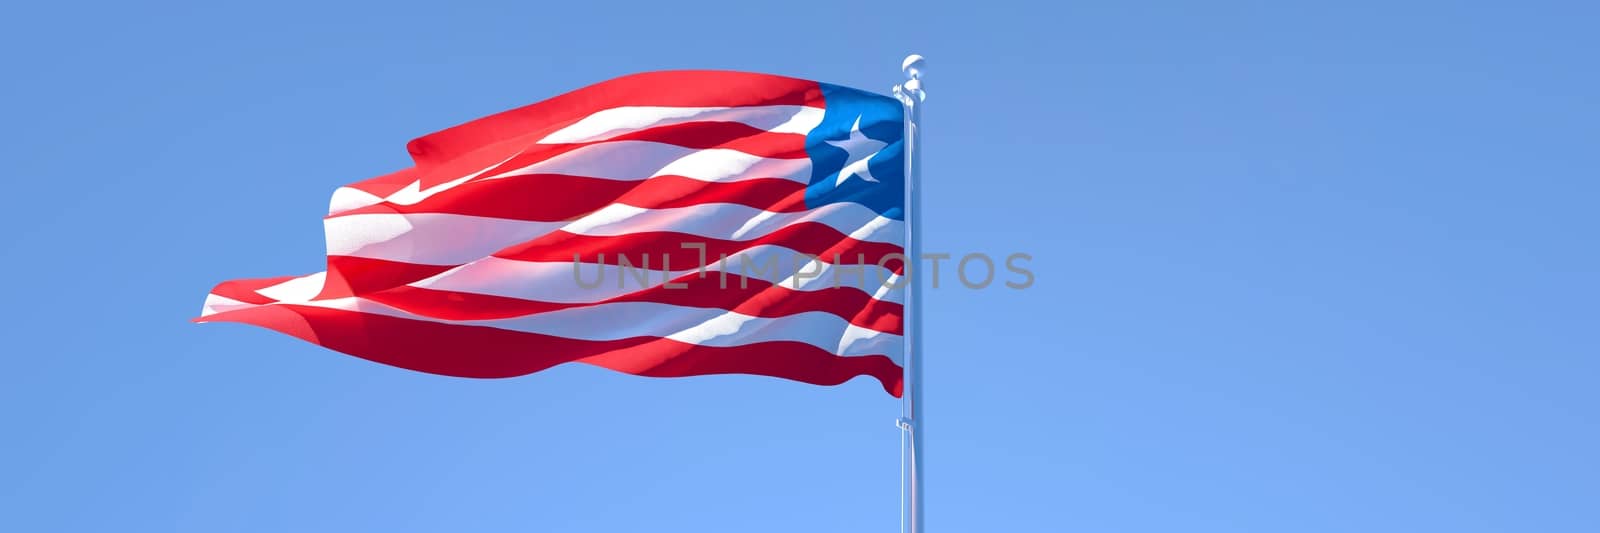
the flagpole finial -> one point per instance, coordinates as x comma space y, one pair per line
913, 66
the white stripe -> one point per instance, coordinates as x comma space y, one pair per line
735, 221
450, 239
613, 122
298, 289
347, 198
413, 193
220, 304
560, 281
639, 160
427, 238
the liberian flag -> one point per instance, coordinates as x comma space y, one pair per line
762, 218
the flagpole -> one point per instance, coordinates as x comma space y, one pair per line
912, 417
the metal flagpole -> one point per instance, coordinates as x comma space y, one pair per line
911, 420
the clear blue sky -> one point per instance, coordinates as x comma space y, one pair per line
1311, 268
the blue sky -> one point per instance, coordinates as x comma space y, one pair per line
1302, 268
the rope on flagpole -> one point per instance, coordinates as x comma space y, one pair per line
911, 420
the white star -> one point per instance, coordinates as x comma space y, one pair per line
860, 148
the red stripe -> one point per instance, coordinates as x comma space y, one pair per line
556, 197
350, 276
788, 360
495, 137
804, 237
759, 298
484, 352
244, 290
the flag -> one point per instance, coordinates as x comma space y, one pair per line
661, 224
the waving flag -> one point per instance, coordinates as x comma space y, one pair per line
660, 224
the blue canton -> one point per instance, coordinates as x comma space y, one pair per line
858, 152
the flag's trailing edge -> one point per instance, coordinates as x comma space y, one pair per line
464, 264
